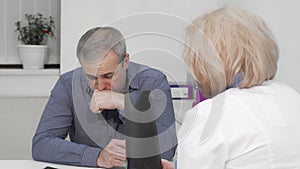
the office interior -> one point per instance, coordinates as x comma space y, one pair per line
154, 31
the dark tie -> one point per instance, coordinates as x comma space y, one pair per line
112, 118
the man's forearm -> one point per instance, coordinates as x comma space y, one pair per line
57, 150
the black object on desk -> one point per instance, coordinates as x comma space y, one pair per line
139, 103
48, 167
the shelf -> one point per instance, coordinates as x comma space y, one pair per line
20, 72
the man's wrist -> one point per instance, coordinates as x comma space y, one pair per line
90, 156
99, 160
120, 102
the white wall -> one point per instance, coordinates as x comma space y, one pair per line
153, 29
19, 119
167, 19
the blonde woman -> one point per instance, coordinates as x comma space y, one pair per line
250, 121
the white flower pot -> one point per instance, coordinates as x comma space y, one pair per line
33, 56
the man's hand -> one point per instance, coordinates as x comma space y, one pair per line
114, 154
106, 99
167, 164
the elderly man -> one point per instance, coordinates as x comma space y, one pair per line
88, 105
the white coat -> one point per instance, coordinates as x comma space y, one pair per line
255, 128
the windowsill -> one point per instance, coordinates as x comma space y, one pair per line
27, 83
25, 72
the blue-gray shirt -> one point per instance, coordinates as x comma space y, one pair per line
67, 112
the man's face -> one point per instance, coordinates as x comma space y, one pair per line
108, 74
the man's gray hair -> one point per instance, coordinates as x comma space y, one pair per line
97, 42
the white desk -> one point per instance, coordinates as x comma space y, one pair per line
30, 164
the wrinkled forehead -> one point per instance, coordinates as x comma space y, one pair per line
101, 65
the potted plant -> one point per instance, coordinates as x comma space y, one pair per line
33, 50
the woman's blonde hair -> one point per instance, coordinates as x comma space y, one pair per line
227, 42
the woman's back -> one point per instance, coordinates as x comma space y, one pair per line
276, 109
256, 128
